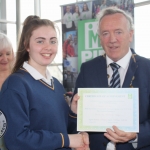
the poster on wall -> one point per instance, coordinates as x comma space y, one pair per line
71, 15
80, 41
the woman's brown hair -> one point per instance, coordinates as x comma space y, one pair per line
30, 24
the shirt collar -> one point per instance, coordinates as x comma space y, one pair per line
123, 62
35, 74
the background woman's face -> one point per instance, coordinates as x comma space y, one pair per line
84, 7
6, 59
77, 9
68, 9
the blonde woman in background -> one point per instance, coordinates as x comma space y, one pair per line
6, 58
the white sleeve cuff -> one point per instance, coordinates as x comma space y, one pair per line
134, 142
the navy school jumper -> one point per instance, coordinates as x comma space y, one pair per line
37, 114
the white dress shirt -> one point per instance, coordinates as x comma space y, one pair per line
36, 75
123, 63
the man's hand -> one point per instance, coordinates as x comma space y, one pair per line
119, 136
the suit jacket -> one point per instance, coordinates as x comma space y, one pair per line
93, 74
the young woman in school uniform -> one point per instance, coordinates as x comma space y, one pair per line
38, 117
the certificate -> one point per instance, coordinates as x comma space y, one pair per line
101, 108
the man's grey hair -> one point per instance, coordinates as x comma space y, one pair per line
4, 42
114, 10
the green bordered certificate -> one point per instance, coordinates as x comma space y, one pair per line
101, 108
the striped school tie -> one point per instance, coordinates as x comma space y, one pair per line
115, 80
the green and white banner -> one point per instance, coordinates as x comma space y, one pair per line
89, 45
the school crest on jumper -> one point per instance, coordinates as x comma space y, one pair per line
3, 124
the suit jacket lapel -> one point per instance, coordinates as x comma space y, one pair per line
102, 72
130, 72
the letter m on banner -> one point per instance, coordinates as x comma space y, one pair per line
88, 41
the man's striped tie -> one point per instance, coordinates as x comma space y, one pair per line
115, 80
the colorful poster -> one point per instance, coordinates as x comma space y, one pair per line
71, 15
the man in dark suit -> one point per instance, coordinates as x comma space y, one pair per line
116, 33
